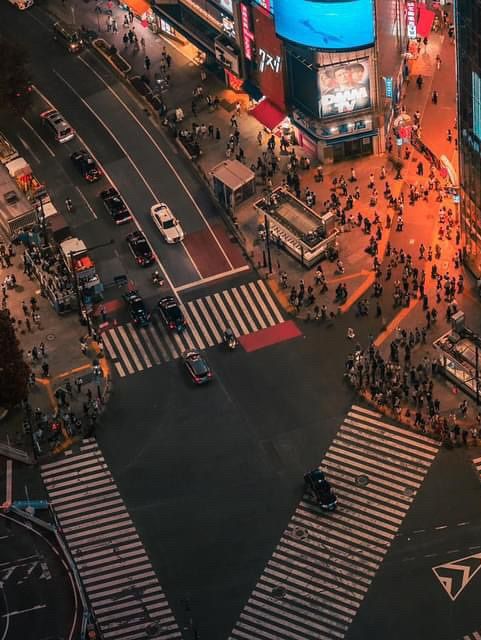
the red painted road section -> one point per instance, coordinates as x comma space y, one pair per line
271, 335
205, 253
232, 249
109, 307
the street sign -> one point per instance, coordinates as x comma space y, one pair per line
454, 576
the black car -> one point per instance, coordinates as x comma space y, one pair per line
320, 490
137, 309
171, 314
115, 206
86, 165
197, 366
140, 248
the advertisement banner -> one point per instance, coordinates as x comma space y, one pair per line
344, 88
338, 25
270, 77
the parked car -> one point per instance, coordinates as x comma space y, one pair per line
166, 223
171, 313
137, 310
115, 205
197, 366
86, 165
320, 490
140, 248
57, 124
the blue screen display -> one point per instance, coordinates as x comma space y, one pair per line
326, 24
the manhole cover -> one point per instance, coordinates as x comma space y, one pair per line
362, 481
300, 533
279, 592
409, 491
51, 336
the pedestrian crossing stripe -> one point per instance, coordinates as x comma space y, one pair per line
473, 636
454, 576
123, 590
245, 309
320, 571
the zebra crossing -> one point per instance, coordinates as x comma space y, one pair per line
322, 568
127, 601
245, 309
473, 636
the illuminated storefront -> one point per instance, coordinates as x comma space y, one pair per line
468, 19
331, 74
207, 25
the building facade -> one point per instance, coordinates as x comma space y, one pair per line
468, 27
329, 71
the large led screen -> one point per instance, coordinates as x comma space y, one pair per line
344, 88
326, 24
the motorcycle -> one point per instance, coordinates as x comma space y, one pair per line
230, 340
156, 279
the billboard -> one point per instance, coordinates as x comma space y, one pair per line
338, 25
344, 88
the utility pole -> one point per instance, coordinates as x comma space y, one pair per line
268, 243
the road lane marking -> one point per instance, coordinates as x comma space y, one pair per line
29, 149
87, 203
129, 346
200, 324
139, 345
38, 136
270, 300
170, 165
227, 315
215, 333
136, 222
238, 316
242, 306
253, 307
120, 349
158, 343
217, 276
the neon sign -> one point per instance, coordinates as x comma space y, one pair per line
247, 35
411, 20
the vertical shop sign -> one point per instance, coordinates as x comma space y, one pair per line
411, 19
247, 35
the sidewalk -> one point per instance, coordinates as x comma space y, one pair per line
420, 220
58, 413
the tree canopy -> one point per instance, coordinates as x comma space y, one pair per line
15, 85
13, 369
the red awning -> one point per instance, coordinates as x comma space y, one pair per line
267, 114
425, 22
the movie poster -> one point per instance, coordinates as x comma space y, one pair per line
344, 88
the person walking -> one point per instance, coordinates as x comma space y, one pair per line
434, 97
147, 63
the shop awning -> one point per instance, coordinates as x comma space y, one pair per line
267, 114
425, 22
139, 7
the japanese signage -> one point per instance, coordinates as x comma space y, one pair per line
268, 61
411, 11
389, 86
269, 76
344, 88
247, 35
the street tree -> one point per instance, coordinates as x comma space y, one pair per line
13, 369
15, 85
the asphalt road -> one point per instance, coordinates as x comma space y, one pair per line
36, 596
140, 161
212, 475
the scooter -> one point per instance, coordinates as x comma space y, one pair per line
230, 340
156, 279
